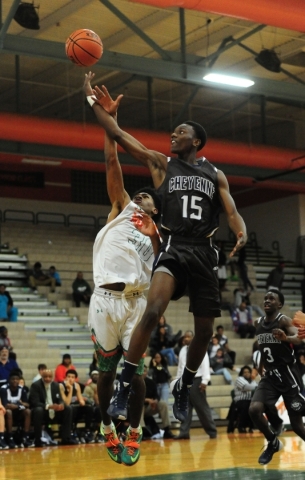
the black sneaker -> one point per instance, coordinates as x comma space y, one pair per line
27, 443
272, 448
119, 402
3, 444
11, 443
89, 437
181, 395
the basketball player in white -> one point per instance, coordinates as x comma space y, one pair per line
122, 264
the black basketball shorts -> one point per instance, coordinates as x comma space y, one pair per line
195, 269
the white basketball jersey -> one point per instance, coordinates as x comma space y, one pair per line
122, 254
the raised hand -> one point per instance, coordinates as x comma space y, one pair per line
239, 244
144, 223
87, 84
106, 101
299, 319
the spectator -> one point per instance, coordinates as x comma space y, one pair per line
153, 406
48, 407
214, 345
38, 277
93, 365
23, 385
301, 366
53, 273
242, 322
72, 396
222, 269
244, 387
218, 366
81, 290
224, 343
90, 392
41, 367
61, 369
6, 365
197, 398
276, 277
162, 341
15, 400
241, 295
158, 371
243, 269
6, 342
7, 310
3, 444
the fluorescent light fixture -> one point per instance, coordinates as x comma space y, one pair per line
228, 80
34, 161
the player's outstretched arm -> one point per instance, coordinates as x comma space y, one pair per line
235, 220
155, 161
287, 331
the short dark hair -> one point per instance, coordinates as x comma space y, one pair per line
200, 132
72, 372
66, 355
157, 201
219, 326
37, 265
41, 366
279, 294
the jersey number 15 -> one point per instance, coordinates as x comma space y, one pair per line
193, 206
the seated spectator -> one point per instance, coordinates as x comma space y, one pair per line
38, 277
3, 444
224, 343
61, 369
23, 385
242, 322
6, 365
53, 273
241, 295
72, 396
162, 340
244, 387
15, 400
218, 366
7, 310
243, 269
6, 342
41, 367
81, 290
93, 365
276, 277
90, 392
153, 406
159, 373
213, 346
48, 407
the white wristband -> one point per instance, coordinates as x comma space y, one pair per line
91, 100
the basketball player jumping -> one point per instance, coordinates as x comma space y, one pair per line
193, 192
122, 265
275, 334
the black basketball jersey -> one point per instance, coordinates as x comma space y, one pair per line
190, 199
274, 352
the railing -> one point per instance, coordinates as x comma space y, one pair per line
52, 218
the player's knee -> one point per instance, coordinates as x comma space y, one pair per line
255, 410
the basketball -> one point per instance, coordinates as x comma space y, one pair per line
84, 47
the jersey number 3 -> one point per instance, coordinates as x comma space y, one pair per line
196, 208
269, 356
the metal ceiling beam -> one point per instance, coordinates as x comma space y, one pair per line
56, 17
163, 54
157, 68
8, 20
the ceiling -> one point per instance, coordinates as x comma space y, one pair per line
157, 57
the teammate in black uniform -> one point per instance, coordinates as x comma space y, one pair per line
193, 193
275, 334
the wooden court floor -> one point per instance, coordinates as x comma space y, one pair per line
229, 457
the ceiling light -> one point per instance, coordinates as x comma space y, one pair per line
228, 80
35, 161
269, 60
27, 16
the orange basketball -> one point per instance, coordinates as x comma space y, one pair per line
84, 47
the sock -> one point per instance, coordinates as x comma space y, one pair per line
107, 428
274, 441
188, 377
128, 371
137, 430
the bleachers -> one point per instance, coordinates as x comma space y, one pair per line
49, 325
